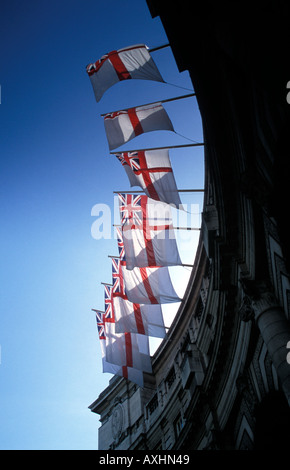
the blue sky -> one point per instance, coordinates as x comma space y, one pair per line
55, 167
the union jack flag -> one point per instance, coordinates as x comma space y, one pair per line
109, 306
100, 324
121, 248
131, 159
134, 161
115, 114
93, 68
130, 209
121, 158
117, 277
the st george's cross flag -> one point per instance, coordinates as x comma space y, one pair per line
123, 349
129, 373
122, 126
144, 285
133, 317
133, 62
148, 233
149, 285
127, 349
152, 171
136, 318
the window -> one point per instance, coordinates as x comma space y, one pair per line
170, 378
178, 425
153, 404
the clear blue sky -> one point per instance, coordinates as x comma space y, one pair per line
55, 166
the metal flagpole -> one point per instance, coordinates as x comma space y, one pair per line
197, 144
183, 264
153, 49
179, 190
155, 102
176, 228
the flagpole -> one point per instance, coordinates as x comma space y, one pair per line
153, 49
155, 102
183, 264
197, 144
179, 190
176, 228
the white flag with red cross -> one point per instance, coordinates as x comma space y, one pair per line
148, 233
122, 126
130, 316
143, 285
136, 318
152, 171
129, 373
134, 62
127, 349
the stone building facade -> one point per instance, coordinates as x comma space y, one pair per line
222, 379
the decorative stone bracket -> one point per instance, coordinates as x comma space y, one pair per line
257, 300
261, 305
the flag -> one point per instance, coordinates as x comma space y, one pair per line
127, 349
122, 126
123, 349
133, 317
134, 62
148, 233
136, 318
109, 304
149, 285
129, 373
144, 285
152, 171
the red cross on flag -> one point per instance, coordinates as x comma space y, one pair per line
152, 171
133, 317
133, 62
122, 126
127, 349
136, 318
149, 285
129, 373
143, 285
148, 233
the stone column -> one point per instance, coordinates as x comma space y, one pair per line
260, 305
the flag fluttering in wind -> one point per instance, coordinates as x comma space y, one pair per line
144, 285
149, 285
127, 349
148, 233
124, 349
133, 317
134, 62
122, 126
136, 318
152, 171
141, 280
130, 373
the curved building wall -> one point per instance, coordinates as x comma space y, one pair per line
222, 378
